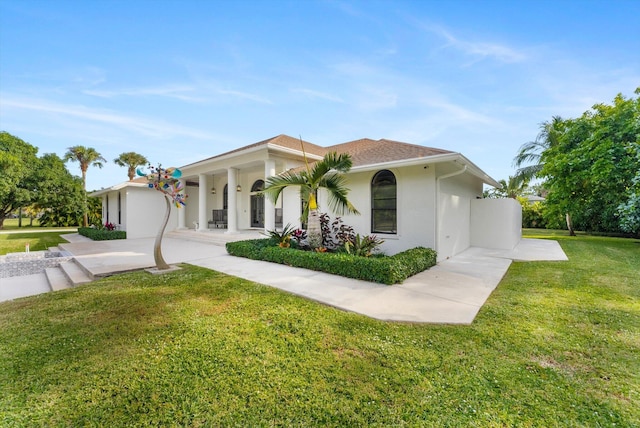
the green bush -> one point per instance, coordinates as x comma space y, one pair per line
102, 234
384, 270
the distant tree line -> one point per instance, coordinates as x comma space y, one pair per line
44, 187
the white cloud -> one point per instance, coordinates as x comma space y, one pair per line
170, 91
479, 50
138, 125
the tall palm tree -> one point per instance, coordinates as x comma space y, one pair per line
131, 160
511, 188
529, 157
327, 174
531, 153
85, 156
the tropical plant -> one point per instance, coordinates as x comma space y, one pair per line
362, 246
283, 237
336, 233
131, 160
326, 174
85, 156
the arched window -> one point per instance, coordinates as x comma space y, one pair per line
258, 186
383, 203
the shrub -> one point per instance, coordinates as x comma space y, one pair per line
385, 270
102, 234
532, 215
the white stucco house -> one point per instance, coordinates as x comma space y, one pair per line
407, 194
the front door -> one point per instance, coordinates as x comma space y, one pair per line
257, 211
257, 205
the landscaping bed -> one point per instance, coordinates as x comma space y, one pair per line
381, 269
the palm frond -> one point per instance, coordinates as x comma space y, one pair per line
528, 172
338, 202
277, 183
331, 161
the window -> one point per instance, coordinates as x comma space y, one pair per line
258, 186
225, 197
119, 209
383, 202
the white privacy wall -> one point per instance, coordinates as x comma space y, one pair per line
454, 213
145, 213
496, 223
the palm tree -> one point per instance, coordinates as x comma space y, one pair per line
511, 188
85, 156
131, 160
531, 153
327, 174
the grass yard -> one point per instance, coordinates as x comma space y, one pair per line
12, 224
557, 344
37, 240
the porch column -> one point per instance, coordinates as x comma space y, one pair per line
269, 206
202, 202
232, 221
182, 211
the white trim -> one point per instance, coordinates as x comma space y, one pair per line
447, 157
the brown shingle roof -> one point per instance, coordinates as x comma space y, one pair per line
367, 151
283, 141
364, 151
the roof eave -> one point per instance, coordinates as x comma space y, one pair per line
117, 187
445, 157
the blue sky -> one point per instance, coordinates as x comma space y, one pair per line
178, 81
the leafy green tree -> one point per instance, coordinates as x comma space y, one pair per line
85, 156
327, 174
131, 160
94, 210
591, 167
59, 195
17, 160
629, 211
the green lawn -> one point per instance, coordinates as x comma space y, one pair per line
557, 344
12, 224
37, 240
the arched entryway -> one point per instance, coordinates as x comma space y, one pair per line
257, 204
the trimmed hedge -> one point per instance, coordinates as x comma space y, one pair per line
102, 234
384, 270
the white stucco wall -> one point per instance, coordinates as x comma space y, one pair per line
145, 213
454, 213
496, 223
415, 207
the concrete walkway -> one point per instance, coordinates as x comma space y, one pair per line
451, 292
